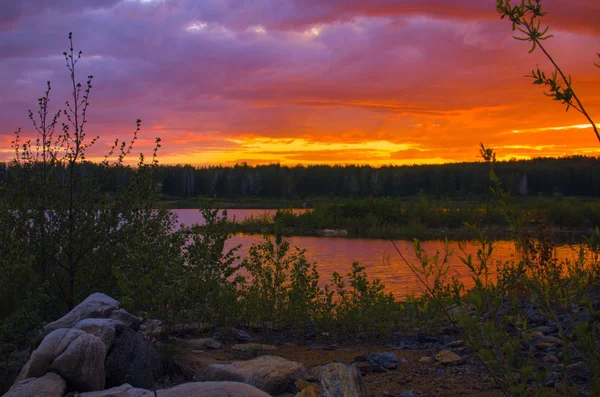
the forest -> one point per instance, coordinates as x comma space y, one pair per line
567, 176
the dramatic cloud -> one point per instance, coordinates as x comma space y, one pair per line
339, 81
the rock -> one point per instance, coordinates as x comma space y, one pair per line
126, 318
339, 380
456, 343
425, 359
425, 338
534, 317
386, 360
274, 375
132, 360
309, 391
546, 329
241, 335
550, 359
49, 385
151, 327
212, 389
333, 233
75, 355
536, 335
408, 393
448, 357
125, 390
370, 369
321, 347
542, 345
314, 374
94, 306
53, 345
82, 363
547, 342
579, 373
200, 343
250, 347
103, 328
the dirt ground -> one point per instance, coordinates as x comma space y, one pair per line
424, 378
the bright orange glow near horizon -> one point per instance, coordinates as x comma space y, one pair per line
307, 82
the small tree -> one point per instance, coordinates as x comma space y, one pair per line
60, 230
526, 19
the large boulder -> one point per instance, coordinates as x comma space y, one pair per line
125, 390
212, 389
385, 360
126, 318
49, 385
274, 375
51, 347
103, 328
133, 360
82, 363
339, 380
96, 305
73, 354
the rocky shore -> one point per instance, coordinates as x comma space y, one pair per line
100, 350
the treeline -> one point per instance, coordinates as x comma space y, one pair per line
569, 176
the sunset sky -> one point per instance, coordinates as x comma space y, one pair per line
304, 81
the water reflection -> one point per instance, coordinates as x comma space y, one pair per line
378, 256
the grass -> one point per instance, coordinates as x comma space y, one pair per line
567, 219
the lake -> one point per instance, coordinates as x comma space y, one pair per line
377, 255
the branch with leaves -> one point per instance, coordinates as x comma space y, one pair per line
526, 19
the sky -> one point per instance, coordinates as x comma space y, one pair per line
303, 81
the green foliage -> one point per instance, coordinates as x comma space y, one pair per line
62, 237
211, 277
424, 218
361, 307
283, 287
494, 315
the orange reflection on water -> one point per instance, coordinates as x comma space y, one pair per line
383, 262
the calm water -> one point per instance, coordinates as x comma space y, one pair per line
378, 256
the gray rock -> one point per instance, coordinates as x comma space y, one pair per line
151, 326
96, 305
53, 345
126, 318
103, 328
386, 360
534, 317
241, 335
198, 344
212, 389
82, 363
274, 375
408, 393
579, 373
339, 380
132, 360
448, 357
125, 390
49, 385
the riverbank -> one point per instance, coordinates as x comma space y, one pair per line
463, 233
98, 338
563, 219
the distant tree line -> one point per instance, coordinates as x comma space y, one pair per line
569, 176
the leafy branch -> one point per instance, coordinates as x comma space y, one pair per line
526, 19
